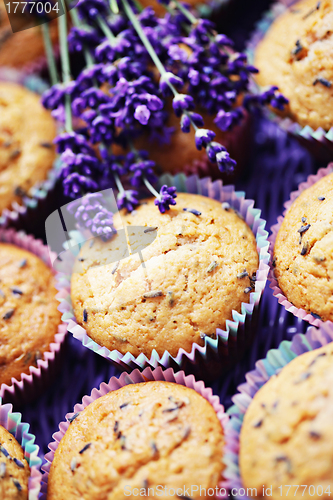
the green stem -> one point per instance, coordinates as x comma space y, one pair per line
119, 184
114, 6
65, 66
50, 54
151, 188
105, 28
187, 14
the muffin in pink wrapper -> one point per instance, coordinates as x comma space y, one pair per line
294, 403
11, 425
178, 409
32, 334
217, 351
27, 156
307, 250
290, 47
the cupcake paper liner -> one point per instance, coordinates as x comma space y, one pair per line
12, 422
44, 194
33, 383
277, 292
275, 360
319, 142
217, 354
134, 377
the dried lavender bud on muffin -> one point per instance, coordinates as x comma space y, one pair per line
27, 132
296, 55
29, 317
303, 251
20, 49
287, 435
14, 469
199, 267
140, 436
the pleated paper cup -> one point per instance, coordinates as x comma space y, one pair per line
277, 292
217, 355
12, 422
319, 142
266, 368
135, 377
31, 384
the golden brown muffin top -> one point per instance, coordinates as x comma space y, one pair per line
14, 469
287, 434
192, 280
303, 251
140, 436
27, 132
297, 56
29, 316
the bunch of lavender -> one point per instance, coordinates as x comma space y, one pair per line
135, 64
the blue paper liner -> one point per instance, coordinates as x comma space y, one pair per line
275, 360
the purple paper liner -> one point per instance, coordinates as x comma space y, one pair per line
319, 142
41, 197
135, 377
216, 355
277, 292
31, 384
275, 360
12, 422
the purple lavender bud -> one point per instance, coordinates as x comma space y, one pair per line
54, 96
79, 38
177, 53
128, 199
142, 114
76, 184
182, 102
203, 137
194, 77
154, 103
213, 149
225, 120
167, 198
196, 118
224, 40
185, 124
141, 169
224, 162
169, 78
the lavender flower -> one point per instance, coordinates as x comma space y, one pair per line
166, 198
127, 199
203, 137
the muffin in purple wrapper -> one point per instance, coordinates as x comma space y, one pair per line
31, 331
290, 47
218, 348
183, 417
301, 250
27, 156
279, 433
19, 461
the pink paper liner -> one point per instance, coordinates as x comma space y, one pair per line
125, 379
32, 384
217, 355
319, 142
45, 193
277, 292
275, 360
12, 423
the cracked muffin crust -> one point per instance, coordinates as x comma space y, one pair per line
140, 436
297, 56
303, 251
199, 266
29, 316
290, 421
27, 132
14, 469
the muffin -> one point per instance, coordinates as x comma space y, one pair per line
286, 437
29, 317
303, 255
199, 266
147, 435
18, 50
27, 132
296, 55
14, 469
